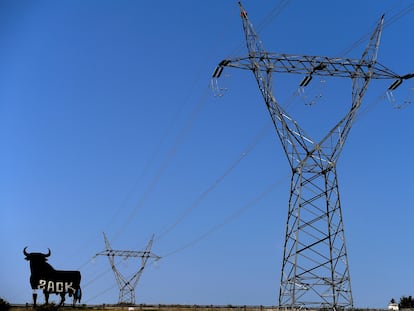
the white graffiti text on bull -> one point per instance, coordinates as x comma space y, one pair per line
56, 286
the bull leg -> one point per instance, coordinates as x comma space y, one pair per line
46, 296
34, 299
62, 299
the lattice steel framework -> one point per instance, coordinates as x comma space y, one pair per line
315, 271
127, 285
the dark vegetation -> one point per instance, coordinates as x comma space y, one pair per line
405, 302
4, 305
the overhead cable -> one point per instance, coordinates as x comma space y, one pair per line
204, 194
229, 219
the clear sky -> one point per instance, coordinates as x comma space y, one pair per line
108, 124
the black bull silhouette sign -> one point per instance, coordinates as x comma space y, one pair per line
44, 277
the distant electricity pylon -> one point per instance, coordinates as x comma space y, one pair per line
127, 285
315, 272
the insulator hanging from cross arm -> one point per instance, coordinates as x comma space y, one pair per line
219, 69
217, 72
408, 76
395, 84
217, 90
305, 81
393, 87
398, 82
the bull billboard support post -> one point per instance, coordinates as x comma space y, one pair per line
45, 278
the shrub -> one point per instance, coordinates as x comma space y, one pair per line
406, 302
4, 305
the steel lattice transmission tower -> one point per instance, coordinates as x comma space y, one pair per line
127, 285
315, 270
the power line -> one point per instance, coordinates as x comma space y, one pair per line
388, 22
229, 219
164, 165
227, 172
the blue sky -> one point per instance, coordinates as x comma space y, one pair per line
108, 124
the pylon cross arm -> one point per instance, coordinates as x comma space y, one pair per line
309, 65
122, 253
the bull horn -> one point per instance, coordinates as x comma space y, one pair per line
25, 252
48, 254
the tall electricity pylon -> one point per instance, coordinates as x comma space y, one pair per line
127, 285
315, 271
